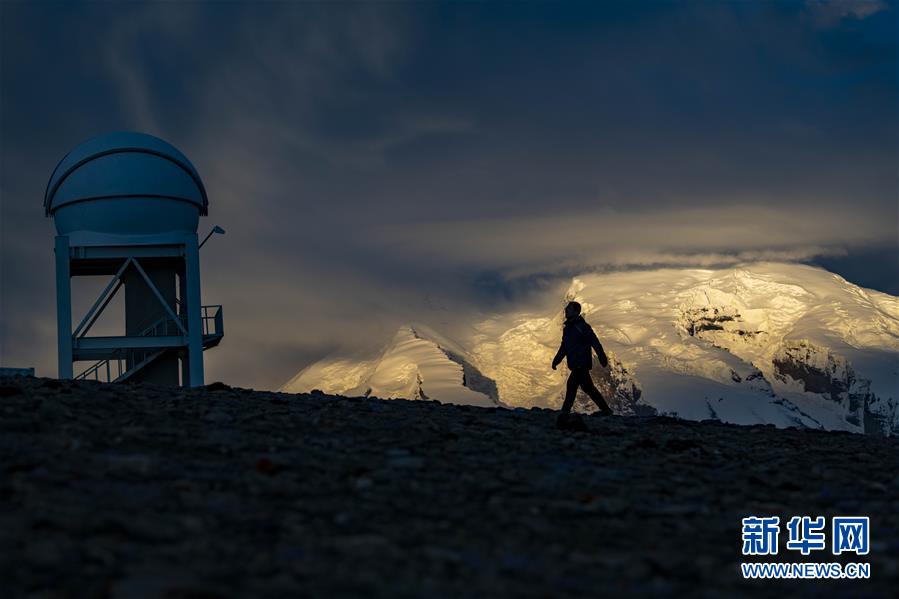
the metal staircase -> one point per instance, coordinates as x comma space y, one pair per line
115, 369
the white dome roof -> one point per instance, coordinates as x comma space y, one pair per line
121, 166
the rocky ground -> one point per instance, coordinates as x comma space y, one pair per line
144, 491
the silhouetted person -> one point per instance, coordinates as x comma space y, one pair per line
578, 341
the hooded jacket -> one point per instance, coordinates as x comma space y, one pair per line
578, 339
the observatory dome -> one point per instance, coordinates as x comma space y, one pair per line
125, 183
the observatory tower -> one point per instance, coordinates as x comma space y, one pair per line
127, 205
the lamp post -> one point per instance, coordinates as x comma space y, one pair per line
215, 229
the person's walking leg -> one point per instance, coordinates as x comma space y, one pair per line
565, 421
591, 390
570, 392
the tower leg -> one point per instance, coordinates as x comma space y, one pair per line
63, 308
194, 308
182, 355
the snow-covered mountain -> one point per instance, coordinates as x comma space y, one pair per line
411, 367
785, 344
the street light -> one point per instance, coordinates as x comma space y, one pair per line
215, 229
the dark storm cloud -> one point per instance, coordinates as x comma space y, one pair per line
376, 163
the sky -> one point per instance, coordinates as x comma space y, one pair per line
383, 162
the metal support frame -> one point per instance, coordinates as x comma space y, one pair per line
194, 320
63, 309
110, 343
155, 290
93, 314
182, 306
189, 340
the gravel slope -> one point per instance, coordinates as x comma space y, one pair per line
144, 491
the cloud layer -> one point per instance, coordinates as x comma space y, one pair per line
375, 164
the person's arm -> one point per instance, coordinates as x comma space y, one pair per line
597, 347
559, 354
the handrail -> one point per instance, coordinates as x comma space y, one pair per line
137, 357
94, 371
210, 316
216, 320
164, 322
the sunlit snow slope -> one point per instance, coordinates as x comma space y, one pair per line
410, 367
773, 343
